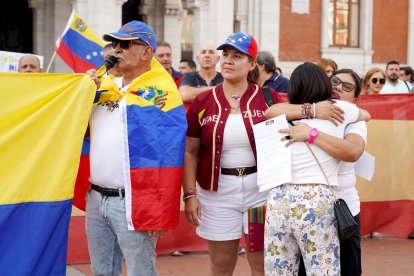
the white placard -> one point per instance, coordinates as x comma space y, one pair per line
273, 157
365, 166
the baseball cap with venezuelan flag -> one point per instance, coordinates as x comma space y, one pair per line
243, 42
134, 30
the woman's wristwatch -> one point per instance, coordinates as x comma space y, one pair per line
312, 135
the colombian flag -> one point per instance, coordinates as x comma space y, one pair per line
79, 47
387, 201
42, 124
155, 140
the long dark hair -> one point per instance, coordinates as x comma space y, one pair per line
309, 84
253, 76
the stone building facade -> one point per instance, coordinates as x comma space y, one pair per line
293, 30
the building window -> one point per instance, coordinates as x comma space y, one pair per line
344, 23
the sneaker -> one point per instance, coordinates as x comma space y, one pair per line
242, 250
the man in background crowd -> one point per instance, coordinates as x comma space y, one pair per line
268, 76
393, 83
206, 78
187, 66
407, 75
164, 56
29, 64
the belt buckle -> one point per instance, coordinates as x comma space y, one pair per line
120, 192
241, 171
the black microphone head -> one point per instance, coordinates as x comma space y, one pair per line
110, 62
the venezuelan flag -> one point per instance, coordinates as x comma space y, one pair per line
387, 201
156, 143
42, 125
79, 47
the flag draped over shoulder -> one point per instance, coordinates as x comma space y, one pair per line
156, 129
79, 47
42, 124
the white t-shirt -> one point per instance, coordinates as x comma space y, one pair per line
108, 144
237, 151
346, 175
305, 169
389, 88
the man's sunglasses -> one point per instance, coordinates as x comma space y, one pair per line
125, 44
375, 80
346, 86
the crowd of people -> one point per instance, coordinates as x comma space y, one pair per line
219, 183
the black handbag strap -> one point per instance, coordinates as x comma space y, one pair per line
267, 95
406, 84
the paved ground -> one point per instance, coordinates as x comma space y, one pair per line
384, 257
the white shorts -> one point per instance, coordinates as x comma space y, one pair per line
224, 213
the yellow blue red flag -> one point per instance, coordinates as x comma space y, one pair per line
155, 141
42, 124
79, 47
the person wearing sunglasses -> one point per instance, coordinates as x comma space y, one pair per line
374, 81
132, 198
346, 86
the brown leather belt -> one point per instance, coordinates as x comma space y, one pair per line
108, 191
239, 171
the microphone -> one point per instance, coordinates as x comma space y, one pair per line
109, 63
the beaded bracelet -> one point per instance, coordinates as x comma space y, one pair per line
306, 108
189, 195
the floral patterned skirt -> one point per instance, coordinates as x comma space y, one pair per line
300, 220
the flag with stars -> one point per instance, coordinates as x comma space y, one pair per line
79, 47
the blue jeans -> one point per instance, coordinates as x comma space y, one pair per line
109, 239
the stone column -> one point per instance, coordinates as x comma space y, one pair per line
241, 11
50, 19
365, 35
213, 21
325, 25
268, 23
172, 28
152, 14
42, 29
101, 16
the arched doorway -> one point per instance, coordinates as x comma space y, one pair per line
16, 26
